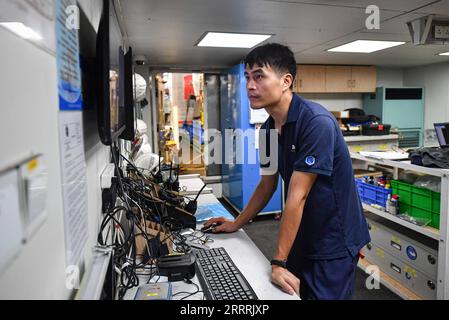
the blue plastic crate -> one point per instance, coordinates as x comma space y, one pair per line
189, 128
372, 194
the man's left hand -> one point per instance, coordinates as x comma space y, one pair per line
286, 280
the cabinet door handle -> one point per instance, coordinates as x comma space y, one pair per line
353, 83
349, 83
300, 83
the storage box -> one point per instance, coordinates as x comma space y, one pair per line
372, 194
418, 202
340, 114
376, 129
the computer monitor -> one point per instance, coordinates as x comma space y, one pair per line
111, 75
130, 127
442, 130
87, 52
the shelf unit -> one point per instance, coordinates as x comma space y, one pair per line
393, 137
427, 231
442, 235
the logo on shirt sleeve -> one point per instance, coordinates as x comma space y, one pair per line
310, 160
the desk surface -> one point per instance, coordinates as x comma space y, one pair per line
406, 165
371, 138
251, 263
244, 253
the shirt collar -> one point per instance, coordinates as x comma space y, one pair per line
293, 111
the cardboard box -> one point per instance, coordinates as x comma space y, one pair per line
153, 230
340, 114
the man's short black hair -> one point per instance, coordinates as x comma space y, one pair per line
279, 57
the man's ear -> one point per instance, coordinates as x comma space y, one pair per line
287, 81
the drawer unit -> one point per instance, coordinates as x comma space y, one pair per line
416, 254
421, 284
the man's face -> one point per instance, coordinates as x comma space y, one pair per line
264, 86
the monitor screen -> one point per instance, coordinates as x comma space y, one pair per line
110, 76
442, 130
116, 74
129, 132
87, 52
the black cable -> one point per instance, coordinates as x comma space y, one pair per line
122, 250
128, 276
165, 195
129, 271
155, 208
201, 190
189, 294
132, 280
140, 195
117, 168
106, 219
132, 164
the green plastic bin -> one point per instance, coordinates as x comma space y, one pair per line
418, 202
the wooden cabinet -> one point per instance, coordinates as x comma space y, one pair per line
335, 79
363, 79
311, 78
338, 79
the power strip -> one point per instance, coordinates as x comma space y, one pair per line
107, 175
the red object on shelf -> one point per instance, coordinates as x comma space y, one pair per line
188, 87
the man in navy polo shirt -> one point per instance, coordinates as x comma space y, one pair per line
323, 227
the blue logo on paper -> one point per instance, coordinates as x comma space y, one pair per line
310, 160
411, 253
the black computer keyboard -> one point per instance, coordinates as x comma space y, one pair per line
220, 278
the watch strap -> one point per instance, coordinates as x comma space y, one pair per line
280, 263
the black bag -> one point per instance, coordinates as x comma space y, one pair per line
358, 116
430, 157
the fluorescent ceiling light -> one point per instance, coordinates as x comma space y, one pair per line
21, 30
444, 54
365, 46
232, 40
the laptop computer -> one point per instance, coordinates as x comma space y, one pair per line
442, 131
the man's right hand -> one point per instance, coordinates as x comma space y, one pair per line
286, 280
222, 225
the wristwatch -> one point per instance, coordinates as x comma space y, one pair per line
280, 263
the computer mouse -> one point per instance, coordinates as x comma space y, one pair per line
209, 229
187, 232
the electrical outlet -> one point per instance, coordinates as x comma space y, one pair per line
107, 175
